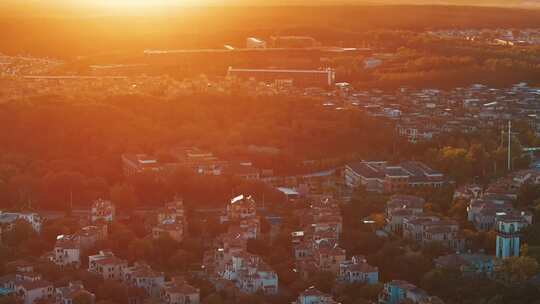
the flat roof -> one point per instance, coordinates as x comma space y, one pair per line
279, 71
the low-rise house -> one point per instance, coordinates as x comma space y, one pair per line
170, 229
483, 212
428, 229
142, 276
400, 207
250, 274
244, 171
329, 258
67, 251
467, 264
468, 192
102, 210
140, 163
8, 219
241, 207
396, 292
106, 265
27, 288
171, 221
71, 292
357, 270
314, 296
88, 236
177, 291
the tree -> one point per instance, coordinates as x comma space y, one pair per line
83, 298
19, 233
113, 291
516, 270
124, 196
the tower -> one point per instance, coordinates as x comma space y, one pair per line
508, 233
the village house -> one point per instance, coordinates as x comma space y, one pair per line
133, 164
102, 211
428, 229
314, 296
178, 291
106, 265
27, 287
400, 207
142, 276
74, 290
241, 207
67, 251
8, 219
396, 292
171, 221
468, 264
250, 274
329, 258
357, 270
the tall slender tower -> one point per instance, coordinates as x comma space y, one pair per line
509, 145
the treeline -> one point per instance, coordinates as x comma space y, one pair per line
424, 61
52, 34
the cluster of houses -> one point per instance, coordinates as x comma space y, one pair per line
421, 115
405, 217
142, 277
68, 248
26, 286
493, 209
229, 263
316, 246
8, 219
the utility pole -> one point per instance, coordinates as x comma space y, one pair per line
509, 145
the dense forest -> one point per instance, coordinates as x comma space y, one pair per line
52, 150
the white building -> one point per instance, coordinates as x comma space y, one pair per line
67, 251
106, 265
